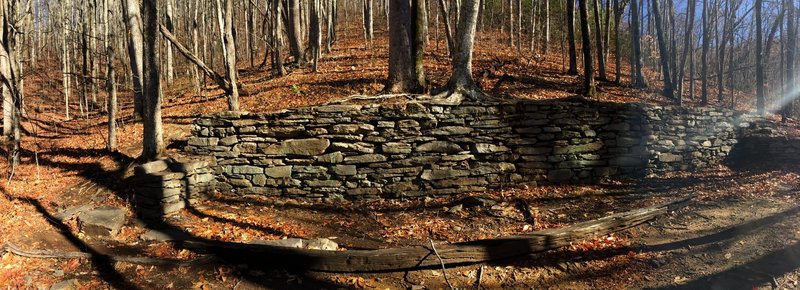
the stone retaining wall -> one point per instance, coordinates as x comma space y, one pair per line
416, 148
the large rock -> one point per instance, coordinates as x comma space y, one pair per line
287, 243
322, 244
305, 147
102, 221
279, 171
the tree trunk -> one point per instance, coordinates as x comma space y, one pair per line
589, 89
546, 47
250, 32
617, 48
169, 21
664, 56
133, 21
420, 19
111, 80
277, 39
704, 56
791, 45
638, 78
687, 49
601, 59
152, 143
228, 51
461, 80
448, 31
573, 54
759, 61
314, 33
294, 32
368, 23
402, 49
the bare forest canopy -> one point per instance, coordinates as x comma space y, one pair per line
706, 50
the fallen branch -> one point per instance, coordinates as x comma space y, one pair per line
399, 259
221, 81
47, 254
444, 269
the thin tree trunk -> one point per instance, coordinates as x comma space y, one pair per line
663, 51
111, 87
601, 61
314, 33
687, 48
573, 54
170, 23
368, 23
546, 47
638, 77
294, 31
277, 35
448, 31
704, 56
588, 71
759, 61
791, 45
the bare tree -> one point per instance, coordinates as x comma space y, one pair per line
637, 77
573, 54
687, 48
294, 31
368, 23
664, 53
759, 60
314, 33
404, 74
461, 80
601, 60
589, 89
791, 46
152, 141
133, 21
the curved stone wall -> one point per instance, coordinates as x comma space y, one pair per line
415, 148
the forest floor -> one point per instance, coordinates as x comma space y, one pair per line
741, 231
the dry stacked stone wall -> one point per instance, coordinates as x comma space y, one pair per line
418, 148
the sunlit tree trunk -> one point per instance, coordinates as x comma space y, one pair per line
225, 15
664, 53
589, 89
573, 53
461, 80
152, 141
601, 60
133, 21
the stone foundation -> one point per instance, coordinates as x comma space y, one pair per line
419, 148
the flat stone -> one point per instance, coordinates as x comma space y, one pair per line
333, 158
70, 212
352, 129
259, 179
438, 174
452, 130
244, 169
322, 244
368, 158
626, 161
305, 147
152, 167
202, 141
338, 108
228, 141
345, 170
396, 148
669, 157
286, 243
583, 148
102, 221
323, 183
484, 168
165, 235
440, 147
279, 171
71, 284
358, 147
485, 148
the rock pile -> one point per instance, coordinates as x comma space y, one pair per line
165, 186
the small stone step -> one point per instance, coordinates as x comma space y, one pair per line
102, 221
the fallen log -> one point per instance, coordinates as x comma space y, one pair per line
418, 257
